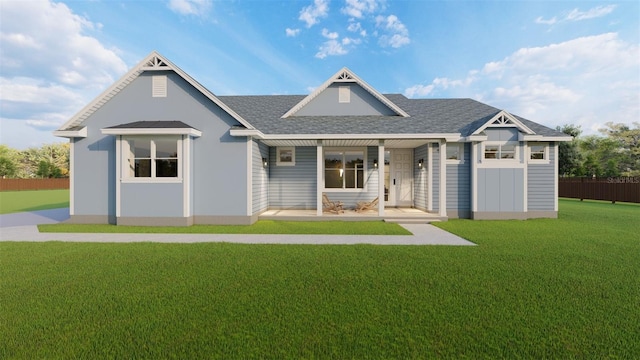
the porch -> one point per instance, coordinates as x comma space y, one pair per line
391, 214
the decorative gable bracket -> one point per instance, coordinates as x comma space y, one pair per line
504, 119
155, 63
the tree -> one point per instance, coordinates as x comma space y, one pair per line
628, 140
8, 162
569, 159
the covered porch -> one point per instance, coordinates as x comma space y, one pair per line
400, 215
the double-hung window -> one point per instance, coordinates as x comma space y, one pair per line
344, 169
153, 157
538, 152
455, 153
501, 151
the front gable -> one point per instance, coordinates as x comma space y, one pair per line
345, 94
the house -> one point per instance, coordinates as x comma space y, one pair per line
158, 148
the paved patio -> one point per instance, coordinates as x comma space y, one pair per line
406, 215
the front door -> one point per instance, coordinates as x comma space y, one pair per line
399, 177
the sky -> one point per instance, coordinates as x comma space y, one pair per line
553, 62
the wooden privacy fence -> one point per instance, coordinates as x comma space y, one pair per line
625, 188
33, 184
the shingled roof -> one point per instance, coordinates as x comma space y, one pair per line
426, 116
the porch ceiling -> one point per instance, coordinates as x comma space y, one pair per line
391, 143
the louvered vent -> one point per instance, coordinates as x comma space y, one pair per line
159, 86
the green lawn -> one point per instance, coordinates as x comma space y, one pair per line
19, 201
565, 288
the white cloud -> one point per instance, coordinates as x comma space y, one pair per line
395, 33
292, 32
190, 7
357, 27
585, 81
359, 8
331, 47
312, 13
51, 67
329, 35
577, 15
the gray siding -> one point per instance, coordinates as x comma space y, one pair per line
260, 186
142, 200
496, 134
459, 182
541, 184
436, 176
420, 178
362, 103
370, 192
218, 161
293, 187
500, 190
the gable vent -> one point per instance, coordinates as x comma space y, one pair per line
503, 120
159, 86
344, 94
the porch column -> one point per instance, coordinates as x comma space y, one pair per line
443, 179
381, 178
319, 182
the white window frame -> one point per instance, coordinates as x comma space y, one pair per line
500, 144
545, 149
364, 169
127, 155
460, 147
279, 151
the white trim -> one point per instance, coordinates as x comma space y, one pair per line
516, 123
125, 176
319, 177
546, 150
404, 136
443, 179
250, 176
430, 177
473, 138
119, 174
72, 174
186, 175
293, 156
516, 156
525, 172
343, 76
364, 168
461, 158
555, 177
152, 131
474, 177
381, 178
158, 62
82, 133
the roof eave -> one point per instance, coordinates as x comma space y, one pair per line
81, 133
152, 131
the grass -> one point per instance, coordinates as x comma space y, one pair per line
20, 201
565, 288
260, 227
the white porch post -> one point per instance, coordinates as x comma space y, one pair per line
429, 177
474, 178
381, 178
319, 182
443, 178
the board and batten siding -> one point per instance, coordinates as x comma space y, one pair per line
260, 177
500, 190
420, 176
459, 182
293, 187
541, 183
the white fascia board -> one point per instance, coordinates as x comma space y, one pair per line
513, 119
131, 75
472, 138
356, 136
525, 137
354, 79
82, 133
247, 132
162, 131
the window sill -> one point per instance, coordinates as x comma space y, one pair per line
455, 162
539, 162
151, 180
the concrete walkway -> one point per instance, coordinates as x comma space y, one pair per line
22, 227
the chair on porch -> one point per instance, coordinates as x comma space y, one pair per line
328, 205
367, 205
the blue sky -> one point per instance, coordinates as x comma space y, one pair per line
554, 62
